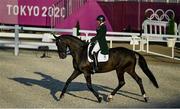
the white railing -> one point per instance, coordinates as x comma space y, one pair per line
111, 36
155, 31
133, 38
114, 36
146, 40
17, 43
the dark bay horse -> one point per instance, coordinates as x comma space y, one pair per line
120, 59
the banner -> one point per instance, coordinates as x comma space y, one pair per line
65, 14
36, 12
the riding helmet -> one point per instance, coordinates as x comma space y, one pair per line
100, 18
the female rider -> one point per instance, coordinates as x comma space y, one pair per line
99, 41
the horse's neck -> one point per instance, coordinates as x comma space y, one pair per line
75, 46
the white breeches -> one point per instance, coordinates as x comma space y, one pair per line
96, 48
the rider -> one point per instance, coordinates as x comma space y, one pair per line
99, 41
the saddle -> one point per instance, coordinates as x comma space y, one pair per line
100, 57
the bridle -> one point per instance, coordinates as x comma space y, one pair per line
60, 48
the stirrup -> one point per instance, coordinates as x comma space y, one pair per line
95, 63
95, 68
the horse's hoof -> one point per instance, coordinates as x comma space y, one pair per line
109, 98
99, 99
58, 99
61, 96
145, 98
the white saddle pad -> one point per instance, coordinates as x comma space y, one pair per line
100, 57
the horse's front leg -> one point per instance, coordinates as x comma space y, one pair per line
89, 85
73, 76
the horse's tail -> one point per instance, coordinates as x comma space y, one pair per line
142, 63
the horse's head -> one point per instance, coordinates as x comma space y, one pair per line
61, 46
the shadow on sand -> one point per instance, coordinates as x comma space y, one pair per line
54, 86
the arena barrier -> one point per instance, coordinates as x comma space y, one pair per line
28, 40
133, 38
155, 30
45, 38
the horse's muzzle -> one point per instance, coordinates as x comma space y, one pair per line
62, 55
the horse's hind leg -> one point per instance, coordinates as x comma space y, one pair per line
139, 81
120, 75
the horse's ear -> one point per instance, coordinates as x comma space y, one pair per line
54, 35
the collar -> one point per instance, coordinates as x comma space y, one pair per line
101, 23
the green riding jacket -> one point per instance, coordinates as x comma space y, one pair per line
101, 38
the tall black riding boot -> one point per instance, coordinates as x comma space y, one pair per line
95, 63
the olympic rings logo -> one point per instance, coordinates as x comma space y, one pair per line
159, 14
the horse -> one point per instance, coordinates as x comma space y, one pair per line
120, 59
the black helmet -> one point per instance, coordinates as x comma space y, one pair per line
100, 18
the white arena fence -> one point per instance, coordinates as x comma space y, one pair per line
155, 30
47, 40
16, 39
